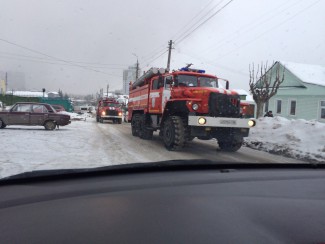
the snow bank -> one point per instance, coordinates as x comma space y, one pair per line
75, 116
299, 139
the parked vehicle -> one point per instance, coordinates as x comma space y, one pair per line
109, 109
58, 108
2, 107
38, 114
185, 104
82, 109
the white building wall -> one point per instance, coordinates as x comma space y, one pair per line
129, 75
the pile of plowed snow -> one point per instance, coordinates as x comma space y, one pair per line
299, 138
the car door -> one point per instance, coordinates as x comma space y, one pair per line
20, 114
38, 114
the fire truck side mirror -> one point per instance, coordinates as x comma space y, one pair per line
227, 85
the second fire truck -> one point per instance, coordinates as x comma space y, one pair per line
185, 104
109, 109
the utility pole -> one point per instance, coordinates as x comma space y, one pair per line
107, 90
170, 47
137, 70
6, 82
136, 67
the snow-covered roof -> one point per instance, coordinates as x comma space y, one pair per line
26, 93
308, 73
249, 97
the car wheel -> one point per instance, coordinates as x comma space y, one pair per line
50, 125
2, 124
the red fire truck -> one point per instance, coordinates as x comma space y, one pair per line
109, 109
185, 104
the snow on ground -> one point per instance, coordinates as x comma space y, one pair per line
298, 139
87, 144
27, 148
76, 116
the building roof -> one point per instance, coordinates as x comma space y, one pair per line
308, 73
249, 97
26, 93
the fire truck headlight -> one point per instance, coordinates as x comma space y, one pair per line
251, 123
202, 121
195, 106
103, 113
120, 114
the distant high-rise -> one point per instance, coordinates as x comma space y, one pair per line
15, 80
3, 87
129, 75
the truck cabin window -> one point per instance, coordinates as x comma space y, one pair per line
168, 82
208, 82
194, 81
155, 84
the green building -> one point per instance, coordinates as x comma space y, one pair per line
302, 93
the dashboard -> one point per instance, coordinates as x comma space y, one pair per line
210, 205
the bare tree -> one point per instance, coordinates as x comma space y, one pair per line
264, 84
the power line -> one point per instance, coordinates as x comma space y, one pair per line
51, 57
48, 62
223, 41
206, 20
80, 62
174, 37
274, 27
214, 64
162, 47
157, 57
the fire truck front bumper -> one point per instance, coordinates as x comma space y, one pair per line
110, 117
206, 121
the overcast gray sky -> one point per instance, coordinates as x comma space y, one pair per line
102, 35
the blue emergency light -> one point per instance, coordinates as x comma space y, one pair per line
201, 71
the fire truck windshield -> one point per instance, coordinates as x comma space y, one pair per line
107, 104
196, 81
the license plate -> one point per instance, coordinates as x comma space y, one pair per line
228, 122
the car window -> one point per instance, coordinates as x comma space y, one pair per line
39, 109
22, 108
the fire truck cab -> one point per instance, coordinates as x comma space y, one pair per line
185, 104
109, 109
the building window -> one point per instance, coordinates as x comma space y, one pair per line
322, 109
278, 106
266, 107
293, 105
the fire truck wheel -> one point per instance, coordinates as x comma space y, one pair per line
230, 145
144, 133
174, 133
97, 119
135, 125
119, 121
187, 130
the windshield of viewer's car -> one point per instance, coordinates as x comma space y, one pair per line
134, 84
